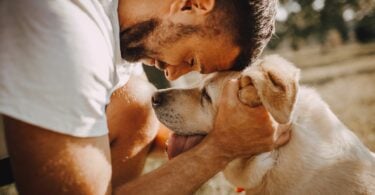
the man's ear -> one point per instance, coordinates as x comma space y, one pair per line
276, 82
197, 6
190, 11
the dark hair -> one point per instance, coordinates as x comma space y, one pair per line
250, 22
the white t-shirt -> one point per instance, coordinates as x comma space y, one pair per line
59, 63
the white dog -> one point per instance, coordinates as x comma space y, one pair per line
322, 157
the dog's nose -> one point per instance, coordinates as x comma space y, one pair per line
157, 99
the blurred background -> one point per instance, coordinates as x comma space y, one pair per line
333, 43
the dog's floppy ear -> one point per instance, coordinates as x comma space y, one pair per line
276, 83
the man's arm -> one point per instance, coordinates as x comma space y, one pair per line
45, 162
182, 175
235, 135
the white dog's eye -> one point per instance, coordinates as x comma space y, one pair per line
205, 95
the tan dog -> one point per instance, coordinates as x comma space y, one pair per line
322, 157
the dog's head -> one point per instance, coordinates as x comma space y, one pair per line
272, 83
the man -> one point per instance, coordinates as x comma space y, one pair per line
60, 63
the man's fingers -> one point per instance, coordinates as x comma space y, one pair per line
282, 129
249, 96
230, 91
283, 139
245, 81
283, 134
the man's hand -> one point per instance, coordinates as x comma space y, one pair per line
241, 130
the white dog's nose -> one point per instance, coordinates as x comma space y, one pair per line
157, 99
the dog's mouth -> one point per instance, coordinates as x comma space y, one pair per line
178, 144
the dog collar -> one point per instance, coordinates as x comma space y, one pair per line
239, 189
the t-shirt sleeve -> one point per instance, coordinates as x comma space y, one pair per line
56, 65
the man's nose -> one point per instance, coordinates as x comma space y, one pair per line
160, 65
148, 61
157, 99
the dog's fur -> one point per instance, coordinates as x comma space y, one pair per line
322, 156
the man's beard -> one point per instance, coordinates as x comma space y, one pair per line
132, 40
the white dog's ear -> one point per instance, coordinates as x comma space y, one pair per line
276, 83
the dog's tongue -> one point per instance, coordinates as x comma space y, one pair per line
178, 144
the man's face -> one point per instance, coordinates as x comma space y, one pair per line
173, 35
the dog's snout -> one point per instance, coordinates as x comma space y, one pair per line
157, 99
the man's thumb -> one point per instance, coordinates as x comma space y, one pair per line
230, 92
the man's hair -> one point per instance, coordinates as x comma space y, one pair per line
250, 23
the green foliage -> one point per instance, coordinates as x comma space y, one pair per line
315, 18
365, 29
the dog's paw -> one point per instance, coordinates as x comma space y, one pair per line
248, 93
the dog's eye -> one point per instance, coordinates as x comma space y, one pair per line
205, 95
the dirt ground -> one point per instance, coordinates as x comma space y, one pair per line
352, 99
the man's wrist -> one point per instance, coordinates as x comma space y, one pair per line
213, 150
